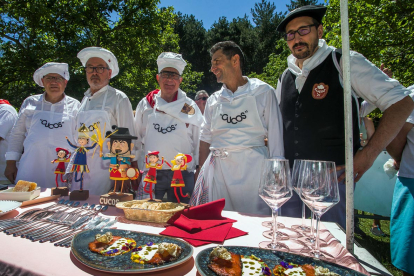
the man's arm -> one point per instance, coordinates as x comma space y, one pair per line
391, 123
204, 152
396, 147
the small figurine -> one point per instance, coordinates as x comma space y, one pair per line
153, 165
120, 154
63, 157
180, 164
80, 164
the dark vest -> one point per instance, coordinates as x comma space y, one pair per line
313, 121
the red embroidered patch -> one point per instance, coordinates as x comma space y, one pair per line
319, 91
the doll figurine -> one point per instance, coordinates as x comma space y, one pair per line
63, 157
153, 165
179, 164
80, 164
119, 155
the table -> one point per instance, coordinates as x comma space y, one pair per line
46, 259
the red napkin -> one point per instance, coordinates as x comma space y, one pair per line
203, 224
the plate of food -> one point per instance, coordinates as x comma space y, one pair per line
7, 206
239, 260
24, 190
121, 251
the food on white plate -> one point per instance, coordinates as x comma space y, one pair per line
156, 253
109, 245
24, 186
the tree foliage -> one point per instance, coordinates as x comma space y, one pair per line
35, 32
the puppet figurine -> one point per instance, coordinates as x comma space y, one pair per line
63, 157
120, 154
153, 165
179, 164
79, 163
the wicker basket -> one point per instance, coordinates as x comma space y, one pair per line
149, 211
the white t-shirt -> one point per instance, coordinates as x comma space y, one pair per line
407, 160
8, 116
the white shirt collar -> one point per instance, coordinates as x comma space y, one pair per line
103, 89
59, 102
309, 64
227, 93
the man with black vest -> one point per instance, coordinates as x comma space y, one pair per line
310, 97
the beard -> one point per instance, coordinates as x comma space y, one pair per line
306, 52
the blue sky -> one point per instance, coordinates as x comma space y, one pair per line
210, 11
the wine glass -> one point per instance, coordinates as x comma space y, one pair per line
275, 189
296, 182
319, 191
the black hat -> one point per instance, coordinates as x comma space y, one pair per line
316, 12
121, 133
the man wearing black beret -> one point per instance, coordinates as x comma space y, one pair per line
311, 99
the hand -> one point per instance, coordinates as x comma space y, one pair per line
66, 137
397, 164
362, 162
53, 161
387, 71
11, 170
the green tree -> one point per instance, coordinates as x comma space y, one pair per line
294, 4
35, 32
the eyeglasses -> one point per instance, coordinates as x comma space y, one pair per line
170, 75
98, 69
202, 98
304, 30
53, 79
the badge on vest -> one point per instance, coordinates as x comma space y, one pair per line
234, 120
187, 109
319, 91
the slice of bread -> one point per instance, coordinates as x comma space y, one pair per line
24, 186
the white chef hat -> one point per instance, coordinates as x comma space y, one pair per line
169, 59
110, 59
51, 67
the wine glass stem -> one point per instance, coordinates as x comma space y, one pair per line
303, 214
311, 230
317, 248
274, 236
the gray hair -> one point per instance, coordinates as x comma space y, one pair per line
199, 93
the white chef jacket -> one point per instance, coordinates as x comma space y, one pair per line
269, 113
117, 105
367, 80
8, 116
142, 112
24, 121
407, 159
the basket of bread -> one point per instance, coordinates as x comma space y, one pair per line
150, 211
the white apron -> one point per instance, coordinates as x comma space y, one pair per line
233, 168
47, 131
97, 180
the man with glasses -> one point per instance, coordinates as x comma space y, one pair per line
104, 104
310, 96
169, 122
201, 99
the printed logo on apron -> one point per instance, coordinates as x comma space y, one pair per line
234, 120
319, 91
51, 126
162, 130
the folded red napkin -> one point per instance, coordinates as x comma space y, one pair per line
203, 224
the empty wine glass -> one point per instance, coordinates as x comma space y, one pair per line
296, 181
319, 191
275, 189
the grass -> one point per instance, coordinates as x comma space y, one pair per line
379, 247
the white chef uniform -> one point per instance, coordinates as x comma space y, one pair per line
236, 125
8, 116
169, 129
40, 129
109, 107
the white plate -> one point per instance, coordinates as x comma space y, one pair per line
8, 205
19, 196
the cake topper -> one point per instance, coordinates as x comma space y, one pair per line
153, 165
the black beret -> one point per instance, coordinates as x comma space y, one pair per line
316, 12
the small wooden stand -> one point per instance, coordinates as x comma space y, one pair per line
62, 191
113, 199
79, 195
